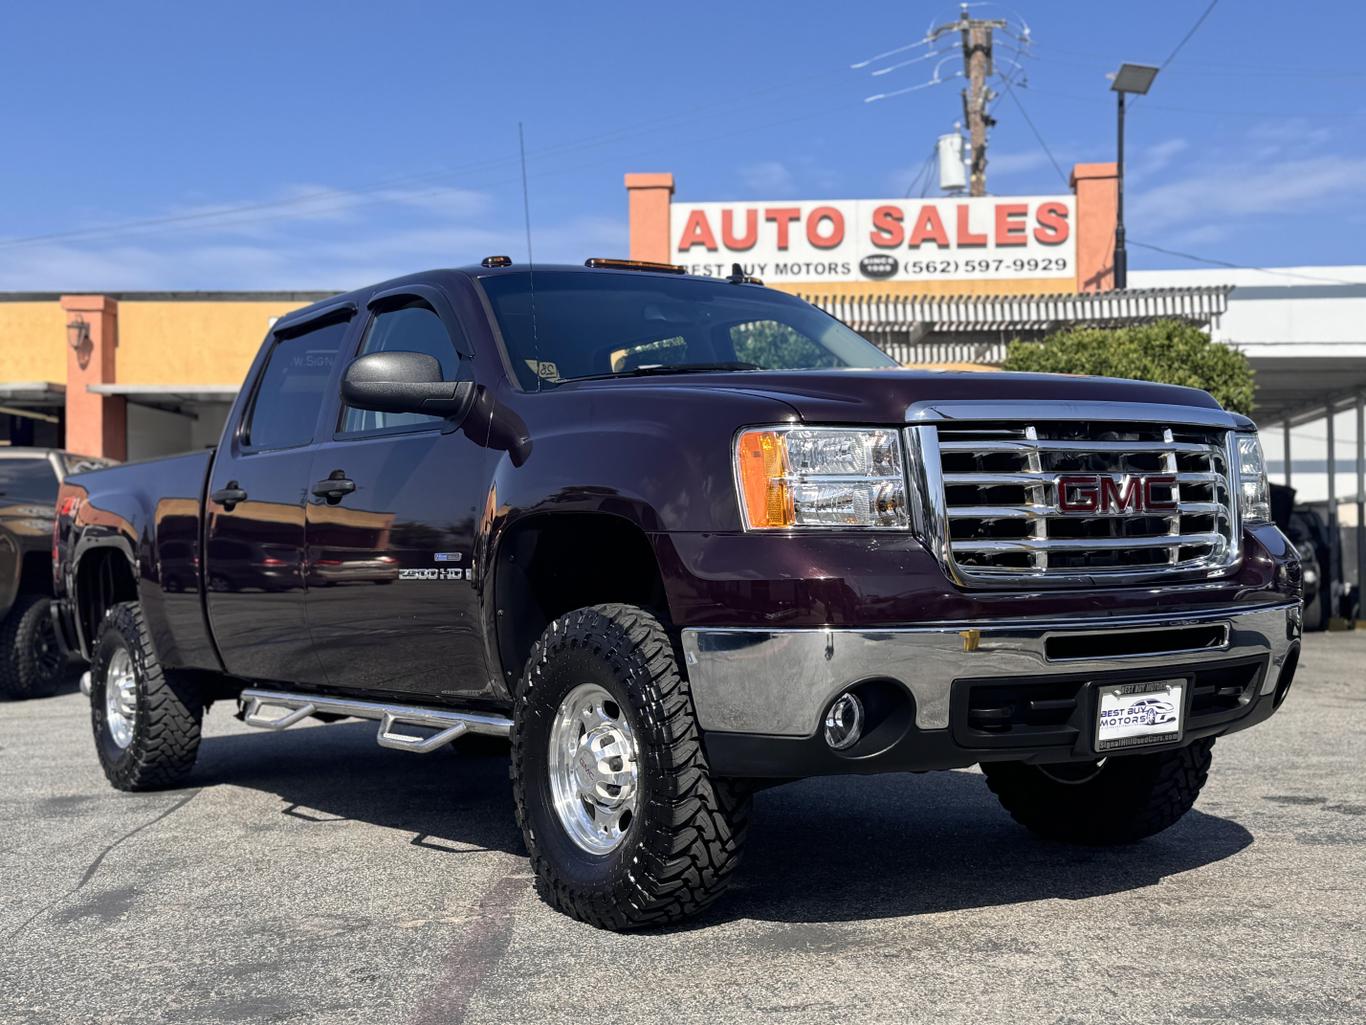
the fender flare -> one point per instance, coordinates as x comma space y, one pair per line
84, 548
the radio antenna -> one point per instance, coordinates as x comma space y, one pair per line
530, 259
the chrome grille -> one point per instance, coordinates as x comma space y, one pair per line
993, 491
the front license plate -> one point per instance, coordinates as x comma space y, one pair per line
1139, 714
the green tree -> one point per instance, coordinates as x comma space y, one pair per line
1167, 351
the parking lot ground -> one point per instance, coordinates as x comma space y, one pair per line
311, 876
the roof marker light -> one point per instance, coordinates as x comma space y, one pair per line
604, 263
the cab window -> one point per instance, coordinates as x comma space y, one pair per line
290, 395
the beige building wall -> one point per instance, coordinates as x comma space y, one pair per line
32, 341
139, 340
192, 342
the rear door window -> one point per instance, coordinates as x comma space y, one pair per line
290, 395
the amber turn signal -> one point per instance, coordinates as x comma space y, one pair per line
761, 458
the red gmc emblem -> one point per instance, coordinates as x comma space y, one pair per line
1131, 493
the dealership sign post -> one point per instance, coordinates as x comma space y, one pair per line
913, 240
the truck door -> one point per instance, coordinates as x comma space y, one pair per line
392, 514
254, 559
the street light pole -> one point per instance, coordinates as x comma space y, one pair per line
1121, 254
1137, 79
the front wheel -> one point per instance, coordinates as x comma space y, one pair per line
1101, 803
146, 720
624, 823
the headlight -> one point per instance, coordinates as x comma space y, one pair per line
1254, 494
821, 477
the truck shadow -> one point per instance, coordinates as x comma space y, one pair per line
846, 848
836, 849
451, 801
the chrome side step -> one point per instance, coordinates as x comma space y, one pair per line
449, 724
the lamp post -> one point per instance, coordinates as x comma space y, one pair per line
1136, 79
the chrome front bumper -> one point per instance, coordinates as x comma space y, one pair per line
780, 682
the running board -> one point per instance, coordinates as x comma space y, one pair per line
449, 724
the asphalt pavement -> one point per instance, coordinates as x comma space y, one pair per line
312, 877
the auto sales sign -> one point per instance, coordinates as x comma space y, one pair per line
993, 237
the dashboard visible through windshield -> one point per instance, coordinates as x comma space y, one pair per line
600, 323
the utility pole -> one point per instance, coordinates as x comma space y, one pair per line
977, 68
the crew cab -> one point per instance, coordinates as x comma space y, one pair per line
678, 538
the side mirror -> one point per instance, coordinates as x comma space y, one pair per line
405, 382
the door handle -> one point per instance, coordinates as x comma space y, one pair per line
229, 496
335, 487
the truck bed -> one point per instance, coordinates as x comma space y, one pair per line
151, 513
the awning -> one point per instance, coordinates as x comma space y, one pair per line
33, 393
169, 392
170, 398
923, 314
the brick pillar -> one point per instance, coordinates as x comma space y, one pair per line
1097, 190
648, 197
96, 425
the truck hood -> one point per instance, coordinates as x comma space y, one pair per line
883, 396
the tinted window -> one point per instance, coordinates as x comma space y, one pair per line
410, 329
602, 322
292, 385
29, 480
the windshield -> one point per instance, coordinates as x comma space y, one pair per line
591, 323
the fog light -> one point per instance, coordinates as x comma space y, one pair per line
844, 722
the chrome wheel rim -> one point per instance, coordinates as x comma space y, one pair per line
120, 697
594, 769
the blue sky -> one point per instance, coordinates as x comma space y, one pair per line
297, 145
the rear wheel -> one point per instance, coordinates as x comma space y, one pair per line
33, 662
1110, 801
146, 720
623, 821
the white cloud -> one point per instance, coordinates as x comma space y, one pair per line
1145, 161
1015, 163
769, 177
328, 239
1291, 134
1233, 191
1200, 235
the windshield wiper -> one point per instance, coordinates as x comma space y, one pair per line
653, 369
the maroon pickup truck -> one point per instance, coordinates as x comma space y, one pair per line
678, 538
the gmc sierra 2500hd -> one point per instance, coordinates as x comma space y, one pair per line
676, 537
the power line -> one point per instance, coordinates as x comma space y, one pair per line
890, 53
924, 170
1239, 266
1010, 91
1179, 47
1187, 37
1096, 100
1206, 67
